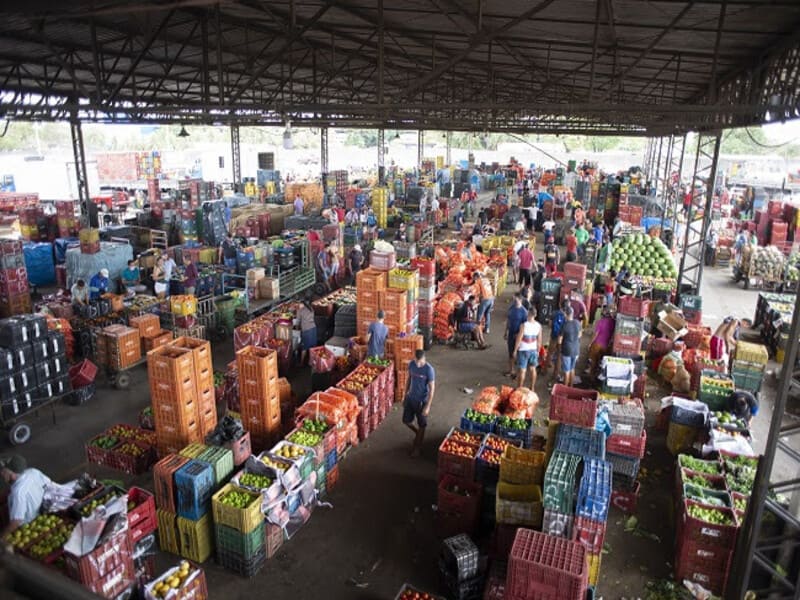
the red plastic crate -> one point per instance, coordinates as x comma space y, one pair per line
627, 344
164, 481
142, 519
128, 463
460, 467
573, 406
590, 533
241, 449
425, 266
627, 445
691, 529
545, 567
710, 579
449, 501
706, 557
626, 501
630, 306
105, 558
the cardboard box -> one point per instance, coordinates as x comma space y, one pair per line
269, 288
337, 346
672, 324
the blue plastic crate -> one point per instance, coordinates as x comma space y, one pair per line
194, 482
525, 436
330, 460
474, 427
588, 443
594, 492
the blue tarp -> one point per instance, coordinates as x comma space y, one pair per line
60, 247
39, 262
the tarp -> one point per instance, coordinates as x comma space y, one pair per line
112, 256
60, 246
39, 262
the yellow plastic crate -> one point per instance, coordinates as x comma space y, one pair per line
521, 466
519, 504
242, 519
594, 567
780, 354
167, 531
183, 305
193, 450
196, 538
752, 353
404, 279
208, 256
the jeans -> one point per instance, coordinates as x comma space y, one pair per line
485, 308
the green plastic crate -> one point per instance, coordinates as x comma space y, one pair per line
221, 460
245, 545
559, 483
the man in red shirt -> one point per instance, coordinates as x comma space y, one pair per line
526, 260
572, 246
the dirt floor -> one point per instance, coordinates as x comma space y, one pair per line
379, 532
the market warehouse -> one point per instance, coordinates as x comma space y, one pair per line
677, 67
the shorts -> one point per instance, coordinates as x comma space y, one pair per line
466, 327
568, 363
512, 341
527, 358
412, 409
160, 287
189, 290
309, 338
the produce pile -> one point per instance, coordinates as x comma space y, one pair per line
493, 447
766, 262
710, 515
173, 579
507, 402
740, 473
643, 255
793, 267
238, 498
278, 466
255, 481
38, 533
461, 443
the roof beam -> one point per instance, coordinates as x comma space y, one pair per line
481, 37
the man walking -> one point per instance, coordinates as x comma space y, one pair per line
418, 398
525, 265
526, 349
517, 315
486, 305
376, 336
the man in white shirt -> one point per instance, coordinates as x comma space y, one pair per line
169, 266
27, 491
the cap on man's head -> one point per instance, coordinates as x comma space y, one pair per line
104, 272
14, 463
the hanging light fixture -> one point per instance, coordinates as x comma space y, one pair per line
183, 133
288, 143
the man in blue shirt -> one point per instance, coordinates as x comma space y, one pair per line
98, 284
597, 233
517, 315
418, 398
376, 336
554, 351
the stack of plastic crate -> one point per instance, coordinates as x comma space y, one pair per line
518, 499
369, 285
624, 448
560, 479
543, 566
749, 364
591, 511
459, 568
260, 404
405, 347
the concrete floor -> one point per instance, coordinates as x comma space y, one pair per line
380, 531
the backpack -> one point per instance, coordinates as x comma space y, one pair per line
558, 322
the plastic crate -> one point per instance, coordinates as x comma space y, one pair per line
468, 425
691, 414
242, 519
168, 539
460, 556
194, 484
542, 566
624, 465
83, 373
142, 517
523, 436
244, 567
705, 557
220, 459
627, 445
466, 501
594, 491
632, 306
164, 481
573, 405
519, 504
196, 538
703, 532
522, 466
626, 418
194, 587
305, 462
246, 545
580, 441
129, 463
590, 533
559, 482
114, 551
407, 587
594, 561
462, 467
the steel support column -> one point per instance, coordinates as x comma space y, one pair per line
80, 170
671, 190
690, 275
381, 157
769, 539
420, 147
448, 140
323, 150
236, 157
648, 153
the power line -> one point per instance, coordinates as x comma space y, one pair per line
768, 146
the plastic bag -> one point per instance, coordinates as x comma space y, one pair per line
487, 401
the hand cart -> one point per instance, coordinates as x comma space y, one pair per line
120, 378
19, 431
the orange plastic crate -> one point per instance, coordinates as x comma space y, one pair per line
370, 280
160, 338
164, 481
170, 364
147, 324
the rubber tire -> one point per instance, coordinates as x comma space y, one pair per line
122, 381
19, 434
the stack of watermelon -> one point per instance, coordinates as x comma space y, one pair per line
643, 255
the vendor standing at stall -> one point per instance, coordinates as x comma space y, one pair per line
190, 275
27, 491
308, 329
